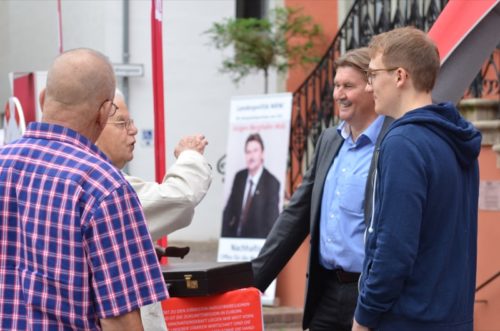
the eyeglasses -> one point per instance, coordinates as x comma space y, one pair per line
370, 73
113, 109
127, 125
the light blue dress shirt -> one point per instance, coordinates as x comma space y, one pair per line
342, 223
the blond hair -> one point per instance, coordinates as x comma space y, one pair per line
412, 50
357, 58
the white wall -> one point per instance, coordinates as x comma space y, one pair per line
22, 47
197, 96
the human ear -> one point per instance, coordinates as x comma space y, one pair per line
401, 76
41, 98
102, 116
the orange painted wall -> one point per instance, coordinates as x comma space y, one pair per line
291, 281
487, 314
324, 13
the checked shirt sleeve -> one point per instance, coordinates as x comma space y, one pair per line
124, 268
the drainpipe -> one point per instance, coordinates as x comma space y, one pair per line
126, 55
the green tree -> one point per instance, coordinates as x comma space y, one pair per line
285, 39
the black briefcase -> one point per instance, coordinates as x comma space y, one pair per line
203, 279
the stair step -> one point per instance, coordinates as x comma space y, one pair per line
282, 318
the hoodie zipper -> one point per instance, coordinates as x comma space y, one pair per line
374, 191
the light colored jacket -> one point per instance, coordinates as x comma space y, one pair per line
169, 206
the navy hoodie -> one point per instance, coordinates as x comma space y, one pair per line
419, 271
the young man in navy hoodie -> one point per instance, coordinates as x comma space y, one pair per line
420, 259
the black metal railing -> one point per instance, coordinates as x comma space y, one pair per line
313, 106
486, 84
486, 283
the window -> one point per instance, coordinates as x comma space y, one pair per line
251, 8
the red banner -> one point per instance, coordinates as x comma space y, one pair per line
456, 21
466, 33
24, 90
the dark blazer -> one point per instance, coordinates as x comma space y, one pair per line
264, 208
301, 217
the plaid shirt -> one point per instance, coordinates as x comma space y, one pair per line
74, 246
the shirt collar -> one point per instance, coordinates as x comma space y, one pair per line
344, 129
39, 130
256, 177
371, 132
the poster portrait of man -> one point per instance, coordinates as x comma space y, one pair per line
253, 204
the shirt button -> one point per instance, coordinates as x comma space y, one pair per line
337, 193
332, 215
343, 170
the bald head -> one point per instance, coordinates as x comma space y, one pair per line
79, 82
80, 76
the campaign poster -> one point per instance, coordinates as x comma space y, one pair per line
254, 181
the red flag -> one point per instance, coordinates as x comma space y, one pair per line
159, 112
466, 33
24, 90
159, 116
456, 21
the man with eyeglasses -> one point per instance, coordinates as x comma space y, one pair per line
170, 205
71, 256
419, 271
332, 205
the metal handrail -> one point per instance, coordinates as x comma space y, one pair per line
488, 281
313, 108
484, 284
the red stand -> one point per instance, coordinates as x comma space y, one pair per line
234, 310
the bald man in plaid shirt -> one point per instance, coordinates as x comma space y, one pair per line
75, 252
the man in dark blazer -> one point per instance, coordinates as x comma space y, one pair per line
332, 204
253, 204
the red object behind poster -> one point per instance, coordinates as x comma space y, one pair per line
24, 90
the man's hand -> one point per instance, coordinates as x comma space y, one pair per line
357, 327
195, 142
128, 321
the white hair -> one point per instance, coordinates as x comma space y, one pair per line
119, 93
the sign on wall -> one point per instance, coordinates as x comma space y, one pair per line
489, 195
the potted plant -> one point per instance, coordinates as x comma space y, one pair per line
283, 39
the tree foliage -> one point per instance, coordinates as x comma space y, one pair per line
285, 39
